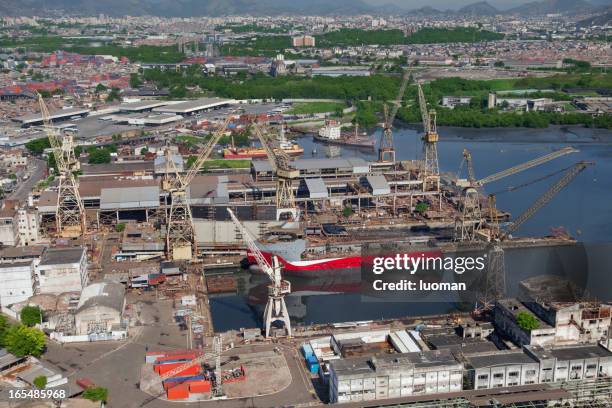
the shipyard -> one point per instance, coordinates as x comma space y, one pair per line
402, 210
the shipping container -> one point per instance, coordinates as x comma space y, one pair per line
165, 368
313, 367
171, 382
307, 350
200, 386
178, 392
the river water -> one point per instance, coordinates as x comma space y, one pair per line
584, 209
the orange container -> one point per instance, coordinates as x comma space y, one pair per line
178, 392
200, 386
193, 370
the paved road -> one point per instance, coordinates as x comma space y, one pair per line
37, 168
117, 365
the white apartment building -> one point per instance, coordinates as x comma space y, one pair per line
16, 282
27, 226
9, 235
62, 270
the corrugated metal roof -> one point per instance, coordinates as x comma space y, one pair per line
133, 197
357, 165
379, 184
316, 188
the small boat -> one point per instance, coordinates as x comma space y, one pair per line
332, 133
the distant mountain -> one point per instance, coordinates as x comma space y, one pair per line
600, 19
187, 8
552, 7
482, 8
426, 11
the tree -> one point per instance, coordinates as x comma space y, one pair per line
120, 227
31, 315
96, 394
499, 64
347, 211
527, 321
421, 207
23, 341
37, 146
99, 156
113, 95
100, 88
4, 326
135, 81
40, 381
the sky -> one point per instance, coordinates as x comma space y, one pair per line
448, 4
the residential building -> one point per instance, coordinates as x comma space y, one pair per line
395, 375
62, 270
100, 308
27, 225
303, 41
16, 282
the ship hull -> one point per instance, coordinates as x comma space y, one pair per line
365, 143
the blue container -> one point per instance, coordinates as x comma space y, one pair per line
307, 350
313, 367
312, 359
178, 360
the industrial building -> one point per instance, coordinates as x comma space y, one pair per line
62, 270
196, 106
100, 308
392, 376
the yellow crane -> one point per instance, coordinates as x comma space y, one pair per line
285, 174
70, 219
386, 151
430, 138
180, 235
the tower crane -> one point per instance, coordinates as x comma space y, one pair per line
69, 213
276, 308
430, 142
469, 224
216, 355
495, 279
180, 234
386, 151
285, 174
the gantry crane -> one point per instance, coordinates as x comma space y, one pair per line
216, 355
285, 174
468, 225
70, 219
495, 279
386, 151
276, 308
180, 235
431, 169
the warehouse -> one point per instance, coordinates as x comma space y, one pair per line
100, 308
57, 116
501, 369
262, 169
196, 106
62, 270
141, 106
571, 363
393, 376
129, 203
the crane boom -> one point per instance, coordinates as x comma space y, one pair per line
398, 100
198, 360
204, 153
547, 196
470, 166
527, 165
424, 112
248, 239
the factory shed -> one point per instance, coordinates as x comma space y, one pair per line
378, 185
403, 343
141, 106
133, 197
316, 188
191, 107
159, 163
